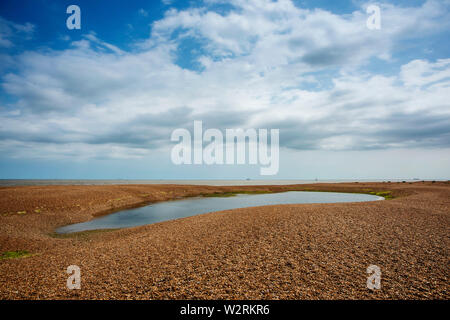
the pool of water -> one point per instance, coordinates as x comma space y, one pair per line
163, 211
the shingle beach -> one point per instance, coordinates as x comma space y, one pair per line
305, 251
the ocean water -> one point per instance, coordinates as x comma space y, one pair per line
36, 182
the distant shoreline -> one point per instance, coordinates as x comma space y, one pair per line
211, 182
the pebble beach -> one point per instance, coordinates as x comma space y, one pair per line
301, 251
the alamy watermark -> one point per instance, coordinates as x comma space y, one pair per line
217, 151
74, 280
374, 21
374, 280
74, 20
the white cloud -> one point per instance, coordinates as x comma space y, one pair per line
422, 73
278, 33
9, 31
258, 65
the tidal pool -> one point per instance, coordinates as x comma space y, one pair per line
169, 210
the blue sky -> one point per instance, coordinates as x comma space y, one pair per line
101, 102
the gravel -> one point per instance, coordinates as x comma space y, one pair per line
306, 251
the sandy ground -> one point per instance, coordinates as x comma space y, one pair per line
310, 251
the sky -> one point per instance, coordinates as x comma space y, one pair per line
102, 101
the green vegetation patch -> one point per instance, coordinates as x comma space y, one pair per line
385, 194
219, 195
15, 254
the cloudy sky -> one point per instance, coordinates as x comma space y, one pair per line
102, 101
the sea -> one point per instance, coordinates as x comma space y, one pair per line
209, 182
